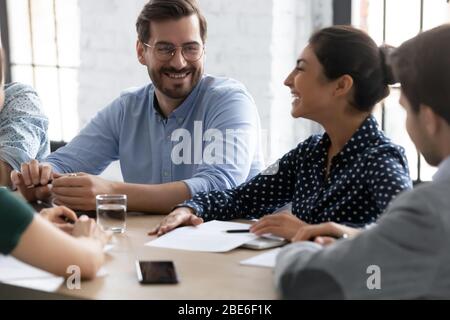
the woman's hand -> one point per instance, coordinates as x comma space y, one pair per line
61, 217
33, 181
283, 224
183, 216
85, 227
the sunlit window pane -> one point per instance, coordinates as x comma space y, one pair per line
19, 32
366, 16
67, 17
23, 74
402, 20
69, 95
434, 14
47, 87
395, 117
43, 28
46, 59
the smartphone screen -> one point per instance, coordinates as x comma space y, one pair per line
162, 272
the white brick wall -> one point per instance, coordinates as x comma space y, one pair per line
108, 58
254, 41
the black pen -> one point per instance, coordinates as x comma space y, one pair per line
237, 231
67, 220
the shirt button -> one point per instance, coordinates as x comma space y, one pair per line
166, 173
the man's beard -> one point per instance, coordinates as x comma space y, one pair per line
177, 91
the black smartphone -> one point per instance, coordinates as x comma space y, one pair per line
154, 272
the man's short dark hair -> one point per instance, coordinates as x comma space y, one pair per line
422, 65
160, 10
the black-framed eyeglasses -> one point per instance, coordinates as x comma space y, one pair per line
165, 51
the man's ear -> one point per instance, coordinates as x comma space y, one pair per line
343, 85
431, 121
140, 50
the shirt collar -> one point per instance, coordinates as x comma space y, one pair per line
443, 173
184, 108
360, 140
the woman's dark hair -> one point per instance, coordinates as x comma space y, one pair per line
422, 65
344, 50
160, 10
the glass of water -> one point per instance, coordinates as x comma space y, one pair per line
112, 212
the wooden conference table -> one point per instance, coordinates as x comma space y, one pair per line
201, 275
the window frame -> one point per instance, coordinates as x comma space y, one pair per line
59, 66
342, 14
4, 29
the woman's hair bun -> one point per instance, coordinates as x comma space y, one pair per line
386, 66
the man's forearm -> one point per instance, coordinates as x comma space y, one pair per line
156, 198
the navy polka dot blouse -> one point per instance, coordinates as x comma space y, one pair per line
364, 177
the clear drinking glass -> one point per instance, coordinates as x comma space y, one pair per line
112, 212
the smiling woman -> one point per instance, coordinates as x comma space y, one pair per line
347, 175
389, 256
370, 78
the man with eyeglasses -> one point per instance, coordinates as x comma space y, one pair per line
186, 132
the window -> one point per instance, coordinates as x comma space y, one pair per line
44, 52
392, 22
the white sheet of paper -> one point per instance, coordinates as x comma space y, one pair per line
13, 269
15, 272
102, 272
108, 247
266, 259
42, 284
208, 237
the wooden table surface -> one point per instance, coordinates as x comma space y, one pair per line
201, 275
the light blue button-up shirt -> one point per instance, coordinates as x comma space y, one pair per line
192, 145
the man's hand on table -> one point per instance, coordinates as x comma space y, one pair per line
78, 191
38, 181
